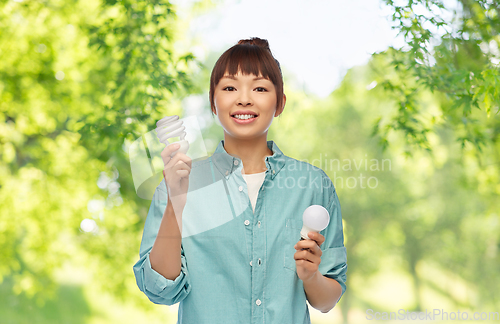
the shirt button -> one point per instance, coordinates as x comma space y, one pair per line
227, 172
260, 262
247, 222
274, 172
250, 263
235, 162
240, 188
258, 224
258, 302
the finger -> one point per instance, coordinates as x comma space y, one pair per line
318, 238
181, 163
308, 266
181, 166
168, 150
179, 157
183, 157
314, 259
317, 251
182, 173
301, 255
301, 247
177, 172
313, 236
306, 244
307, 256
311, 257
313, 248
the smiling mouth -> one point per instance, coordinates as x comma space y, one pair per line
244, 117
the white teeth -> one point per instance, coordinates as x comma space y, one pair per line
244, 116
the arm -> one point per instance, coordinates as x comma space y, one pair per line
322, 292
158, 288
323, 267
165, 256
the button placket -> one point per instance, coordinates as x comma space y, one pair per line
258, 248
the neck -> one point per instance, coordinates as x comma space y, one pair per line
252, 152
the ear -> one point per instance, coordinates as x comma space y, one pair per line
214, 110
280, 110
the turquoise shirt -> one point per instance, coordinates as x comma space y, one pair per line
237, 265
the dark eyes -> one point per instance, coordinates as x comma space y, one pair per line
259, 89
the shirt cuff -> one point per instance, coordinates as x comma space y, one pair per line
155, 282
334, 265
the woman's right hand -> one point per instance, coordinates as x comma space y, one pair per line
176, 175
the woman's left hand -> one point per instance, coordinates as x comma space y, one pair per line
308, 255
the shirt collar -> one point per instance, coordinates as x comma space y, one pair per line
226, 163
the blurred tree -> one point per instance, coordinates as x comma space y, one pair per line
76, 79
453, 52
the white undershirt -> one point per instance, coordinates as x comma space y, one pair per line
254, 182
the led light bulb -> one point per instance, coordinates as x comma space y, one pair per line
315, 219
169, 127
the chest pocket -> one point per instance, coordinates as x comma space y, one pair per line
292, 236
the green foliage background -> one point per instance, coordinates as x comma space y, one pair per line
81, 80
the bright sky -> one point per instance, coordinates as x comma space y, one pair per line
316, 40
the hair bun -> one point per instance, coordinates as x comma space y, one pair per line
255, 41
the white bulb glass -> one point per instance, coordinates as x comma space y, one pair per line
315, 219
169, 127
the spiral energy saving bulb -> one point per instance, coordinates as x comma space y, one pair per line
169, 127
315, 219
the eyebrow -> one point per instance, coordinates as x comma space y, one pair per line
233, 78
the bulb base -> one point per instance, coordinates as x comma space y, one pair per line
304, 231
183, 148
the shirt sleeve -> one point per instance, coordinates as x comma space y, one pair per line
334, 256
156, 287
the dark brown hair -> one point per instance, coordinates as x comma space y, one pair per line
251, 56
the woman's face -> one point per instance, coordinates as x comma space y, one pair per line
237, 97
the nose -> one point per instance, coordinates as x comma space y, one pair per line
244, 99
